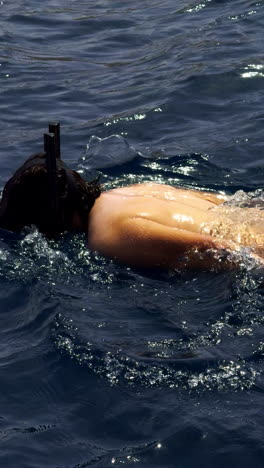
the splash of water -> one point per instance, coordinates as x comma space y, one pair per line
33, 257
247, 200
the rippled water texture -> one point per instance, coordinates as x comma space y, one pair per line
100, 364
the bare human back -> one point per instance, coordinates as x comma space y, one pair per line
151, 224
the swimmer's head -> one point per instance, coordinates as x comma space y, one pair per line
26, 199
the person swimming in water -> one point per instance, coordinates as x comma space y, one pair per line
144, 225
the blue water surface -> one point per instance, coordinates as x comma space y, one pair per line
101, 364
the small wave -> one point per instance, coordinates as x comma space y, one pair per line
107, 152
199, 346
118, 367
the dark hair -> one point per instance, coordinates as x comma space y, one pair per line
26, 198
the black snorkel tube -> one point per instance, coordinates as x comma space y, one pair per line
52, 151
54, 164
54, 128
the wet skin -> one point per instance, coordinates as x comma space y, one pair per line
157, 225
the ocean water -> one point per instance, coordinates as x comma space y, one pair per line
101, 364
